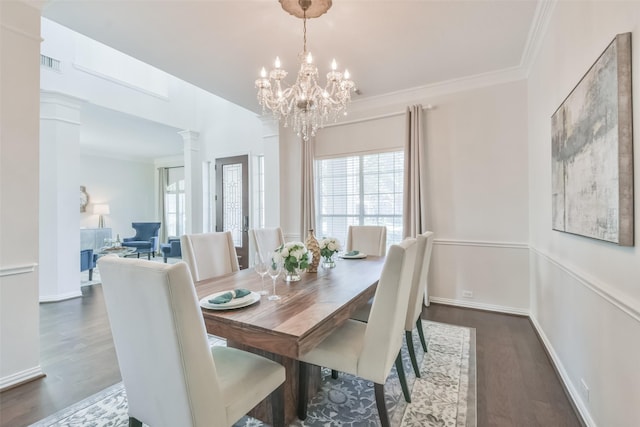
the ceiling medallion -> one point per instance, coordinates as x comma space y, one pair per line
305, 105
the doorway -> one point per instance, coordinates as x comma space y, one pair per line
232, 203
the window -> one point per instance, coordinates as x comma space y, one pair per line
174, 202
360, 190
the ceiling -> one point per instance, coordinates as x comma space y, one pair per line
388, 46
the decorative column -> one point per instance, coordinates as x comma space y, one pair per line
19, 208
192, 181
59, 188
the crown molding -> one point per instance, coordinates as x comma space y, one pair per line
423, 94
537, 31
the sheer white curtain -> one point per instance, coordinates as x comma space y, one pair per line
415, 209
163, 181
308, 211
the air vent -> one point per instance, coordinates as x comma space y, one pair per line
50, 63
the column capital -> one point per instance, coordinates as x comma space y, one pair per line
60, 107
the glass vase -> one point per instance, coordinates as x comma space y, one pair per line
292, 276
328, 262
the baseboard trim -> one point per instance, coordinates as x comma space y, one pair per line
570, 389
61, 297
22, 377
480, 306
601, 289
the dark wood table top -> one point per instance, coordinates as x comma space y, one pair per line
308, 311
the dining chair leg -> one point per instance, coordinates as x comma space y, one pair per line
412, 353
277, 406
134, 422
302, 390
421, 333
382, 407
403, 379
334, 374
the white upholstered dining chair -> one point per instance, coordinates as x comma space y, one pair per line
424, 248
266, 240
209, 254
368, 239
368, 350
171, 375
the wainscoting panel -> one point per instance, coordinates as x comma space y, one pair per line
592, 337
480, 274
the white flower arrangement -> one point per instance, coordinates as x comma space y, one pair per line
329, 246
293, 255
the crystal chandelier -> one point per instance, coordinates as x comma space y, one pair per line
305, 105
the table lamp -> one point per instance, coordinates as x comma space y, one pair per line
101, 209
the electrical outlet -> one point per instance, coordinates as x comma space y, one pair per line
467, 294
585, 389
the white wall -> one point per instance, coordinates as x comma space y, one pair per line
476, 145
19, 152
127, 186
585, 294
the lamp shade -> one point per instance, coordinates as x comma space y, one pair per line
101, 209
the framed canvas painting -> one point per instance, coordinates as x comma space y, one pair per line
592, 151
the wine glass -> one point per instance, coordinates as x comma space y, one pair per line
273, 268
261, 267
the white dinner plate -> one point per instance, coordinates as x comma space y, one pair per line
357, 256
246, 300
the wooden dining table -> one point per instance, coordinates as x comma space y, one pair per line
308, 311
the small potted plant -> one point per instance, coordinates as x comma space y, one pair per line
329, 246
294, 257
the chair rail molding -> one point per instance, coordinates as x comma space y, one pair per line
18, 269
601, 289
480, 243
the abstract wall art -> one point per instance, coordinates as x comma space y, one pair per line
592, 151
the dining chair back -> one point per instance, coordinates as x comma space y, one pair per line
265, 240
171, 375
368, 239
209, 255
368, 350
424, 246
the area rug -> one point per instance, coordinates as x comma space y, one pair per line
445, 396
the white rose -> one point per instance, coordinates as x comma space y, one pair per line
284, 252
331, 246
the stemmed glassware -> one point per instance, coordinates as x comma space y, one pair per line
261, 267
273, 268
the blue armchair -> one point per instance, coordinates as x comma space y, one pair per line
88, 261
171, 248
146, 238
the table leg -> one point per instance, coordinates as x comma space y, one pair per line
263, 410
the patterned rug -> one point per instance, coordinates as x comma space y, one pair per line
445, 396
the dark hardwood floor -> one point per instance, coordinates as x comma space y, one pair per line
516, 383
